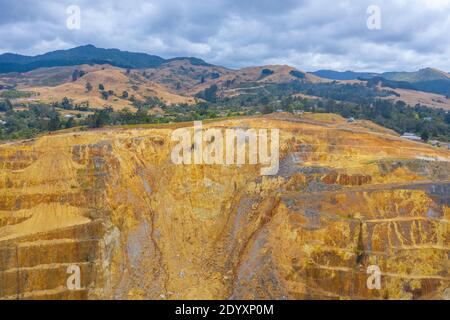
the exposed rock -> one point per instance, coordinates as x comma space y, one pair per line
140, 227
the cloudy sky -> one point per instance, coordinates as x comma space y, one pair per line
307, 34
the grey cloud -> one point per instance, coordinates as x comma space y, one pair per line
306, 34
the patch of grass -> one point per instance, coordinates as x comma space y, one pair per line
15, 94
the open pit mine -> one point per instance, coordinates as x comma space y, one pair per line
111, 209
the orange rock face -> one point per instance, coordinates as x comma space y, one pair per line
112, 204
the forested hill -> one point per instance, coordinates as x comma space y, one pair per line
87, 54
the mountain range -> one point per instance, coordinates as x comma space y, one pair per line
426, 79
88, 54
180, 79
425, 74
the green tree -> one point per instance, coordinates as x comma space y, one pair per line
88, 86
54, 123
6, 105
266, 72
105, 95
65, 103
70, 123
209, 94
447, 118
75, 75
267, 109
202, 108
100, 118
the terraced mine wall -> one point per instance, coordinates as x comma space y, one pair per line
112, 203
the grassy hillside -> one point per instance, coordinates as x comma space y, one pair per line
426, 74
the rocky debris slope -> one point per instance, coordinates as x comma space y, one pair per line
139, 227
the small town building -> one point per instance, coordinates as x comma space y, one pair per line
411, 136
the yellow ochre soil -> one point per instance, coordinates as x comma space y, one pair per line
346, 196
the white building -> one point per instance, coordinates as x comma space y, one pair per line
411, 136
